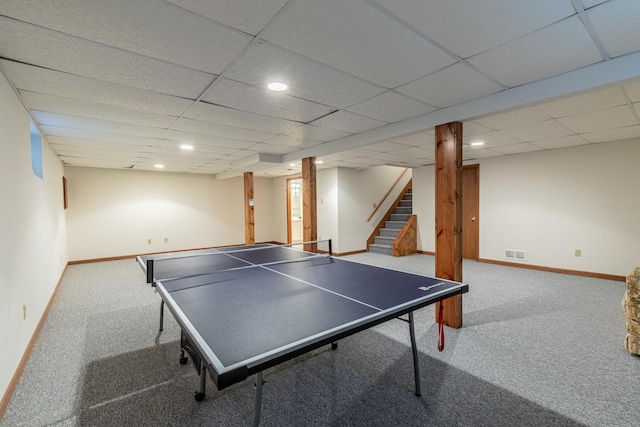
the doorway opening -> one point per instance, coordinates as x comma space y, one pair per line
294, 210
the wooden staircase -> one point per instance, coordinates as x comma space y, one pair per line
396, 234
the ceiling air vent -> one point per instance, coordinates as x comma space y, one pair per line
515, 254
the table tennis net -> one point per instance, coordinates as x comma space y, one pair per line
231, 258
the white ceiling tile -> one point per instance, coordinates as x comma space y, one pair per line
567, 141
583, 103
450, 86
516, 148
274, 149
467, 28
204, 139
348, 164
74, 107
390, 157
416, 139
540, 130
345, 121
595, 121
386, 146
429, 146
80, 136
41, 80
474, 128
491, 139
79, 145
168, 33
616, 24
209, 148
338, 157
223, 131
318, 133
90, 124
264, 63
587, 4
24, 43
359, 152
366, 161
104, 154
238, 118
264, 102
332, 31
298, 143
555, 49
391, 107
416, 152
613, 134
633, 90
95, 163
249, 16
513, 118
479, 154
86, 145
419, 161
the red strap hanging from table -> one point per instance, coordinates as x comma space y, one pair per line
440, 328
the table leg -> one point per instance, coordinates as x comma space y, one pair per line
414, 349
203, 382
161, 316
258, 401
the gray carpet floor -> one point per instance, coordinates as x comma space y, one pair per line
536, 349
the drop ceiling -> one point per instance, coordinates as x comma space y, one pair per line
122, 84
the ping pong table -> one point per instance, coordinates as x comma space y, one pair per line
244, 309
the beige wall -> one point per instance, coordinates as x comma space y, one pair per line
115, 212
33, 243
550, 203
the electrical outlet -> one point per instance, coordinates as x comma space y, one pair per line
375, 205
166, 240
24, 312
149, 241
578, 252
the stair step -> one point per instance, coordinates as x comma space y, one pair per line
397, 225
383, 240
406, 203
405, 210
407, 197
389, 232
381, 249
400, 217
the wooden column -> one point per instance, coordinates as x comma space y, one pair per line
449, 215
249, 227
309, 207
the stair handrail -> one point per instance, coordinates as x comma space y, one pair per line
387, 217
387, 194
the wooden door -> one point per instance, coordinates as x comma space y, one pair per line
471, 211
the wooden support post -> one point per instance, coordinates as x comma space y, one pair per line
449, 215
249, 226
309, 207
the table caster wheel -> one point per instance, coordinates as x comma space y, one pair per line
183, 360
199, 396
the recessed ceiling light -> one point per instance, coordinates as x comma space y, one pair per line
158, 166
186, 146
477, 143
319, 162
277, 86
